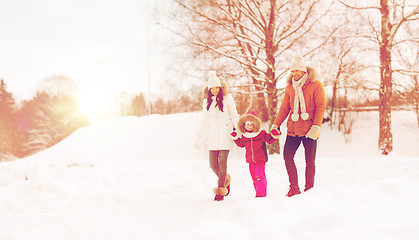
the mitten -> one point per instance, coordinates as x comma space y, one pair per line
234, 135
314, 132
275, 133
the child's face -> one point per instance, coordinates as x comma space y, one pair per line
250, 126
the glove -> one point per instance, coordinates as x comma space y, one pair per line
314, 132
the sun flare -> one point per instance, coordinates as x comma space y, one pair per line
92, 104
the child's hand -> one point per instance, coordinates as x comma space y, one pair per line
234, 135
275, 131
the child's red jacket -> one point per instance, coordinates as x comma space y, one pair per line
255, 145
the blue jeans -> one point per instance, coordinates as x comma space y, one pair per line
290, 148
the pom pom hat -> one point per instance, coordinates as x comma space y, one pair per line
213, 80
298, 64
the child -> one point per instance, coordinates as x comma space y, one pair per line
254, 141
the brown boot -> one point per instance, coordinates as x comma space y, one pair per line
220, 192
228, 183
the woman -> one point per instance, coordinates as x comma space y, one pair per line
219, 118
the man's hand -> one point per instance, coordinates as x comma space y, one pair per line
314, 132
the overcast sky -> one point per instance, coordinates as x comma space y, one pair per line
100, 44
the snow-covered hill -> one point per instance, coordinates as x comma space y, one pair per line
141, 178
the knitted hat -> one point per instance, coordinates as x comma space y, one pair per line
213, 80
251, 120
253, 113
298, 64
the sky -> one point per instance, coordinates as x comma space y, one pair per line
100, 44
112, 181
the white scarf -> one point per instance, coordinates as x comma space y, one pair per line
299, 101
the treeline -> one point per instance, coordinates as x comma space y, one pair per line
36, 124
50, 116
182, 103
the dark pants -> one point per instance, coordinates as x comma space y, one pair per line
290, 148
218, 164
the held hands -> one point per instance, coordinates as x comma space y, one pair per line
314, 132
234, 135
275, 132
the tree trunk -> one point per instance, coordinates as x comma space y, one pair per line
333, 102
385, 140
416, 96
272, 95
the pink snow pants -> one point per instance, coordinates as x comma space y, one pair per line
257, 171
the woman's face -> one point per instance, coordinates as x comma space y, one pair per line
215, 90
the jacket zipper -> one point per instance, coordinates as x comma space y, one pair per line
251, 147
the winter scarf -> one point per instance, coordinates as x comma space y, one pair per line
299, 101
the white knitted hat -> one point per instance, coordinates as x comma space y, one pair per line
298, 64
213, 80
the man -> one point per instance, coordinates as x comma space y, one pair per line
305, 103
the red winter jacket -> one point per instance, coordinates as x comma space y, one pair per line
255, 144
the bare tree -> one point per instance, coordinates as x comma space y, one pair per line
393, 15
407, 68
248, 37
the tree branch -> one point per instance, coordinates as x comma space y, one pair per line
358, 8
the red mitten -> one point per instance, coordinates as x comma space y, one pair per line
275, 133
234, 135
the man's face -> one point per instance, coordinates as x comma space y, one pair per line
297, 74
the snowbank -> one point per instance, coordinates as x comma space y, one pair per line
141, 178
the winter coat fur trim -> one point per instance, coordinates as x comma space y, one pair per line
220, 191
228, 180
252, 118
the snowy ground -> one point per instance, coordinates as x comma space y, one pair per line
141, 178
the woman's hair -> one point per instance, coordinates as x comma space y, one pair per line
219, 99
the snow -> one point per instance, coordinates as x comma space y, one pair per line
141, 178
